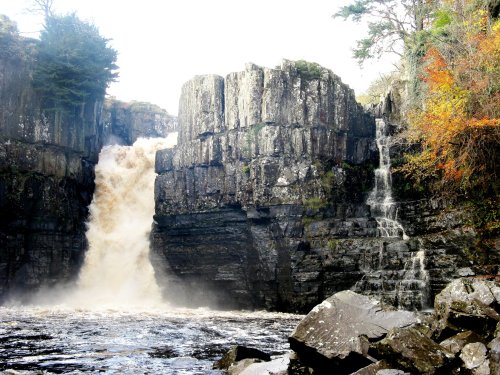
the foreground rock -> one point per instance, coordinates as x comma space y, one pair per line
336, 334
238, 353
352, 334
467, 304
411, 350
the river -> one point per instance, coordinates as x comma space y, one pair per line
171, 341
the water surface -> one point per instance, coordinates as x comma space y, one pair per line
181, 341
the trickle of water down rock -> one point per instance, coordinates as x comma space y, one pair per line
410, 284
380, 200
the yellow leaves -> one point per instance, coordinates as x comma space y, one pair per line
459, 125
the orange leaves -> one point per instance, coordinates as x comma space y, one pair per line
459, 125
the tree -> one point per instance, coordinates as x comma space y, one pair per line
458, 125
74, 62
43, 6
391, 23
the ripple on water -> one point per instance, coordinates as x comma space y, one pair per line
177, 341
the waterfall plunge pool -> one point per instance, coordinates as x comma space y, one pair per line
179, 341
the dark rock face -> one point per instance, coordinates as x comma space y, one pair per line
46, 182
271, 169
131, 120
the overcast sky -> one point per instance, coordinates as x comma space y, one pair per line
161, 43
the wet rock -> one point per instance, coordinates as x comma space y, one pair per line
392, 372
455, 343
474, 358
409, 349
238, 353
335, 334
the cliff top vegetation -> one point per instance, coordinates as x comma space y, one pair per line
450, 64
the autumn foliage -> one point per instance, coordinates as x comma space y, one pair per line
458, 125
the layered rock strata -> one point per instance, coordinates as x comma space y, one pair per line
271, 168
46, 180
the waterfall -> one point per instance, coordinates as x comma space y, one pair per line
408, 287
412, 289
117, 271
380, 200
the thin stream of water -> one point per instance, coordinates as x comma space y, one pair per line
380, 200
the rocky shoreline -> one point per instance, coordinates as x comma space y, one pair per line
349, 333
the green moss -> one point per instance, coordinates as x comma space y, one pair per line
332, 244
315, 203
308, 70
308, 220
258, 127
245, 169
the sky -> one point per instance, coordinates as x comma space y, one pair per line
162, 43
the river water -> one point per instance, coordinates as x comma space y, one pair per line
174, 341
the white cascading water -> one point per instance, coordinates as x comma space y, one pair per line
380, 200
415, 278
117, 271
412, 288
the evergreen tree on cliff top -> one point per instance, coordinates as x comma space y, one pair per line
74, 62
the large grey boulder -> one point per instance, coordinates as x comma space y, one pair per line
474, 358
467, 304
411, 350
335, 334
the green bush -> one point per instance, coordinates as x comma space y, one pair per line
308, 70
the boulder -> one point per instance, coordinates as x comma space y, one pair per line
373, 369
335, 335
238, 353
467, 304
255, 367
475, 359
409, 349
455, 343
494, 347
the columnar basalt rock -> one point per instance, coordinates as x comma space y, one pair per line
271, 163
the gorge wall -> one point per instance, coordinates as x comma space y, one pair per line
262, 202
46, 179
47, 160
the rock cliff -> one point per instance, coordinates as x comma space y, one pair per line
272, 166
46, 179
131, 120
